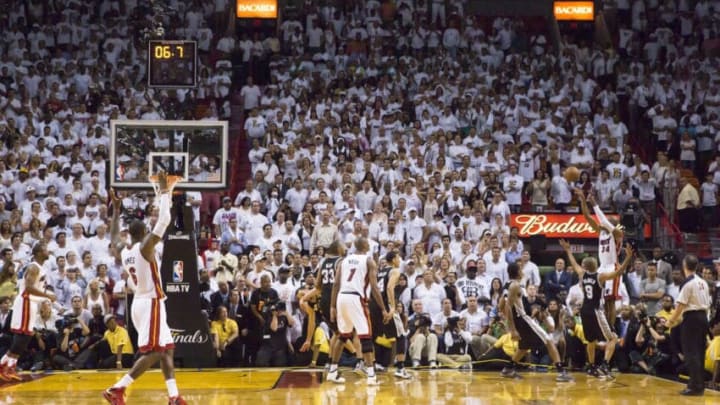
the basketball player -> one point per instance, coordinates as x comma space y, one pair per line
148, 309
595, 325
387, 278
323, 287
522, 327
349, 307
609, 241
24, 311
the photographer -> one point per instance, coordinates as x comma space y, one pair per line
422, 340
455, 349
260, 302
72, 342
275, 349
652, 341
45, 337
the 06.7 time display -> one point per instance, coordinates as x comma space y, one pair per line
172, 64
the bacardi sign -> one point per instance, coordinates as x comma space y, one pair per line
553, 226
574, 10
257, 8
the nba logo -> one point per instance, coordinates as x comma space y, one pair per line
178, 271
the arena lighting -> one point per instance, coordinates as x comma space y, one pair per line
574, 10
256, 9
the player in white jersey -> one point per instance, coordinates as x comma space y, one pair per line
609, 240
25, 310
349, 306
148, 308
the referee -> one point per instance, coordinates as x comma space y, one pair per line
693, 303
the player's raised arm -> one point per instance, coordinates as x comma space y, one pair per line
148, 244
604, 222
571, 258
621, 269
115, 221
585, 211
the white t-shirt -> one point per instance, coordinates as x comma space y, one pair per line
709, 194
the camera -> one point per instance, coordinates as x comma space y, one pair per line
423, 321
280, 306
452, 322
67, 321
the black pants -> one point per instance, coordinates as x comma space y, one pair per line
269, 356
694, 329
495, 359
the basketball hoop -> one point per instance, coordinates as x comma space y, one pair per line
172, 181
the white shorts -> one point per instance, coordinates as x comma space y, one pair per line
150, 320
352, 314
25, 311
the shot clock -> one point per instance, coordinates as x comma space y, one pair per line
172, 64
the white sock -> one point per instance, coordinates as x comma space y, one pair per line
125, 381
370, 371
333, 368
12, 362
172, 387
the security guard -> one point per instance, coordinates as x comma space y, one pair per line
693, 303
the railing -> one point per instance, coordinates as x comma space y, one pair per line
668, 234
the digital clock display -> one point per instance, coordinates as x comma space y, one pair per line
172, 64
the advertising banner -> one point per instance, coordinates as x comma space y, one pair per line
554, 226
574, 10
257, 8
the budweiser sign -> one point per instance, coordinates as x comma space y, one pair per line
553, 226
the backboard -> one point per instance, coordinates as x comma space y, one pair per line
195, 150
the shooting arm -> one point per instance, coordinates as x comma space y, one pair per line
604, 222
586, 213
164, 218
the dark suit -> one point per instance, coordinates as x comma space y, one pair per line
553, 283
627, 332
217, 299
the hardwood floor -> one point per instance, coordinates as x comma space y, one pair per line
274, 386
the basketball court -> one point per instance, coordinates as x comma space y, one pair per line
277, 386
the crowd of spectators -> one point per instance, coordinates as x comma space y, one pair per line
410, 123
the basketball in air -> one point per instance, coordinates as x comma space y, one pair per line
572, 174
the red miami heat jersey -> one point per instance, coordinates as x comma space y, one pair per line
145, 275
354, 275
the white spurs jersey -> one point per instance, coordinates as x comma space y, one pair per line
354, 275
143, 274
607, 249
